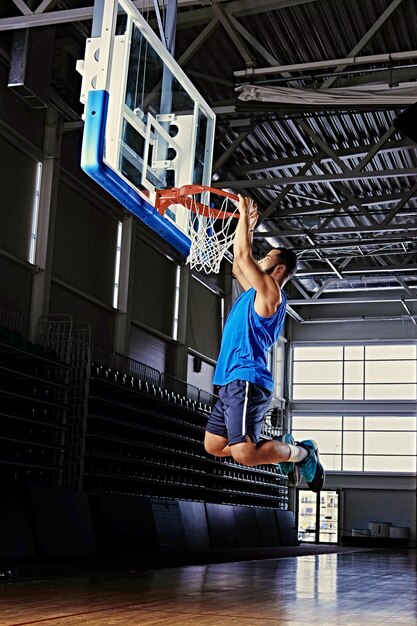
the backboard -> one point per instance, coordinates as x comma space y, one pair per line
146, 126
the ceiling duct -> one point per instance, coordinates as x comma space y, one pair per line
31, 65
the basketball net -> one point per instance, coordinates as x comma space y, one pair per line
211, 223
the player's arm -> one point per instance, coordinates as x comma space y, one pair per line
240, 277
237, 272
268, 293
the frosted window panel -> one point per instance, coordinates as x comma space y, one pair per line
389, 464
330, 422
331, 462
329, 442
353, 442
390, 443
353, 422
390, 422
353, 372
353, 392
390, 392
299, 435
354, 352
397, 351
317, 392
318, 353
327, 372
279, 353
390, 372
352, 463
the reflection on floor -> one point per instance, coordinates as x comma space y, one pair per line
351, 589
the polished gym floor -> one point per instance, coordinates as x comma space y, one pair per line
352, 588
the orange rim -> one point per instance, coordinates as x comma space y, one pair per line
181, 195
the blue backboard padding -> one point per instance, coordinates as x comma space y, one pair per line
93, 164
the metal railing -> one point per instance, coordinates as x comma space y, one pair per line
11, 318
107, 358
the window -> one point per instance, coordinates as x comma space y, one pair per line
35, 215
367, 443
278, 367
369, 434
355, 372
117, 265
176, 303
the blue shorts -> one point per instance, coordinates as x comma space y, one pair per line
239, 412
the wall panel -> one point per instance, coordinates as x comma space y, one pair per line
101, 319
85, 245
154, 288
194, 519
62, 521
18, 184
15, 287
203, 320
222, 526
16, 534
148, 348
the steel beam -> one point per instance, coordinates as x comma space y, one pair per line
23, 7
382, 76
241, 8
329, 63
326, 207
366, 38
321, 179
281, 195
368, 298
198, 41
233, 35
365, 270
252, 41
348, 153
44, 5
230, 150
327, 150
189, 18
308, 254
62, 16
412, 192
343, 230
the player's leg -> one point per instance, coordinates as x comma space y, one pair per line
216, 445
288, 468
303, 454
244, 419
311, 467
266, 453
246, 404
215, 438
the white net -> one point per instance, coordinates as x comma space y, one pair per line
211, 237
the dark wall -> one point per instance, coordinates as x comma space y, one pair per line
39, 522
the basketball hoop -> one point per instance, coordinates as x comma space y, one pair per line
211, 216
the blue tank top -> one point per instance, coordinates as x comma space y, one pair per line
246, 339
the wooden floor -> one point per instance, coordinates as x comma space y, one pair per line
351, 589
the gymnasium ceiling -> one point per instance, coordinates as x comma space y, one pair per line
335, 181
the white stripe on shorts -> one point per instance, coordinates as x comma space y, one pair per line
245, 406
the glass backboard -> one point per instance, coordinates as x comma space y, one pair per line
146, 126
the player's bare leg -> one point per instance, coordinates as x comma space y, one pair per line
216, 445
264, 453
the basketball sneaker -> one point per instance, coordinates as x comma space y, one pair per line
289, 469
310, 467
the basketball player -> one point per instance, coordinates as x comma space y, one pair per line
253, 326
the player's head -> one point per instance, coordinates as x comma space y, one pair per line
280, 263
